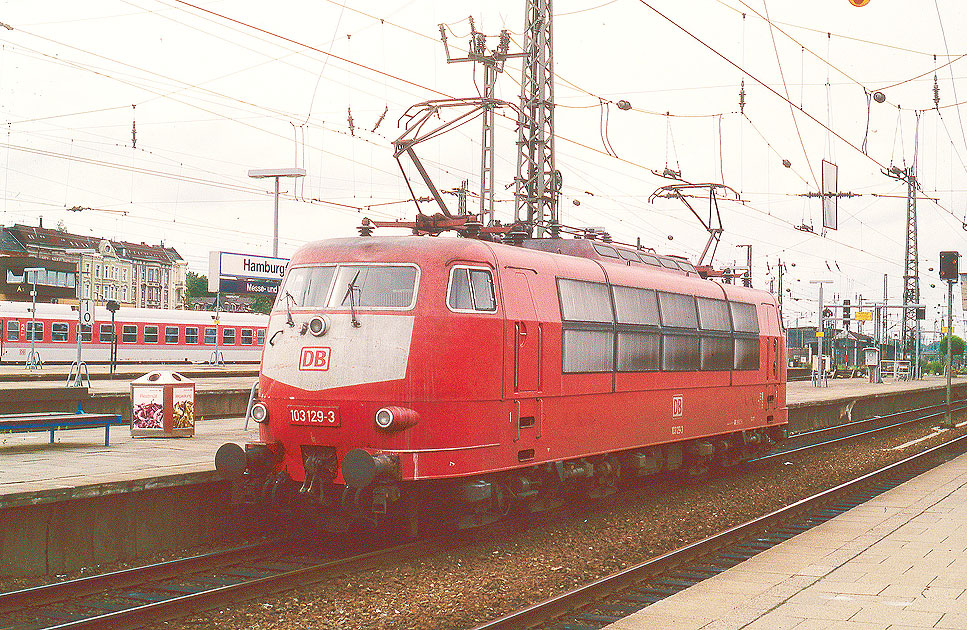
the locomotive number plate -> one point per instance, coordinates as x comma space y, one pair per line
315, 416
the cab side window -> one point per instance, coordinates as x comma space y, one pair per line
471, 289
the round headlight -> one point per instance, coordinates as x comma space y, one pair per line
318, 326
260, 413
384, 418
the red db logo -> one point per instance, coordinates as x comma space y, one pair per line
314, 359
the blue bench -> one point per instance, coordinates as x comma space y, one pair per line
24, 422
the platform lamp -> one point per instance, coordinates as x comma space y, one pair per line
276, 174
33, 361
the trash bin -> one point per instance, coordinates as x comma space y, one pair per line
162, 405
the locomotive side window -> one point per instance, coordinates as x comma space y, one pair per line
471, 290
151, 334
191, 335
678, 310
746, 336
605, 250
649, 259
716, 347
680, 352
13, 330
681, 349
171, 334
58, 331
374, 286
129, 333
106, 333
639, 338
588, 326
628, 255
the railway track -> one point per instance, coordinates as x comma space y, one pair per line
168, 590
136, 597
605, 601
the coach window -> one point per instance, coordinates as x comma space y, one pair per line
129, 333
191, 335
171, 334
13, 330
588, 326
210, 336
260, 337
35, 330
746, 324
471, 290
87, 332
151, 334
639, 337
716, 344
245, 336
680, 340
106, 333
228, 336
58, 331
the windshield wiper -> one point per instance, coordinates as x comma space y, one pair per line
351, 294
288, 313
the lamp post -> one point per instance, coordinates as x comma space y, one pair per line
276, 174
33, 361
819, 378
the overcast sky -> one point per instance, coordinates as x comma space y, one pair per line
216, 88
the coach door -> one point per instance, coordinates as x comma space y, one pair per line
523, 332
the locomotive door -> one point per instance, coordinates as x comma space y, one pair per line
523, 344
524, 333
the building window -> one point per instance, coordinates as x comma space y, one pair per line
171, 334
151, 334
97, 271
13, 330
129, 333
191, 335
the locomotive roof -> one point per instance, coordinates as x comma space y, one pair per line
561, 251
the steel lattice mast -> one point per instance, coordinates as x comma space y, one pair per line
538, 182
911, 268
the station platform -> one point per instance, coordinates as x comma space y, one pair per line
897, 562
127, 499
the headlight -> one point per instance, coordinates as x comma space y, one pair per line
318, 326
260, 413
384, 418
396, 418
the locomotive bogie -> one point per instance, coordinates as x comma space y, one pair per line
486, 378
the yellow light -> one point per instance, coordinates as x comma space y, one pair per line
859, 3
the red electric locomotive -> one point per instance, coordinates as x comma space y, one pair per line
401, 373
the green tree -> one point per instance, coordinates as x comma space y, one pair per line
956, 347
262, 304
197, 285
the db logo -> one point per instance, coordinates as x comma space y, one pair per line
314, 359
677, 405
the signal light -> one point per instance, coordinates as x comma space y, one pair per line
859, 3
948, 265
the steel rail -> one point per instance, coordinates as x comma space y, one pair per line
45, 594
850, 430
182, 605
586, 595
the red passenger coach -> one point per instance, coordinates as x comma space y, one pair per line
403, 373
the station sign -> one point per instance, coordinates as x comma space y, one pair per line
863, 316
245, 273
